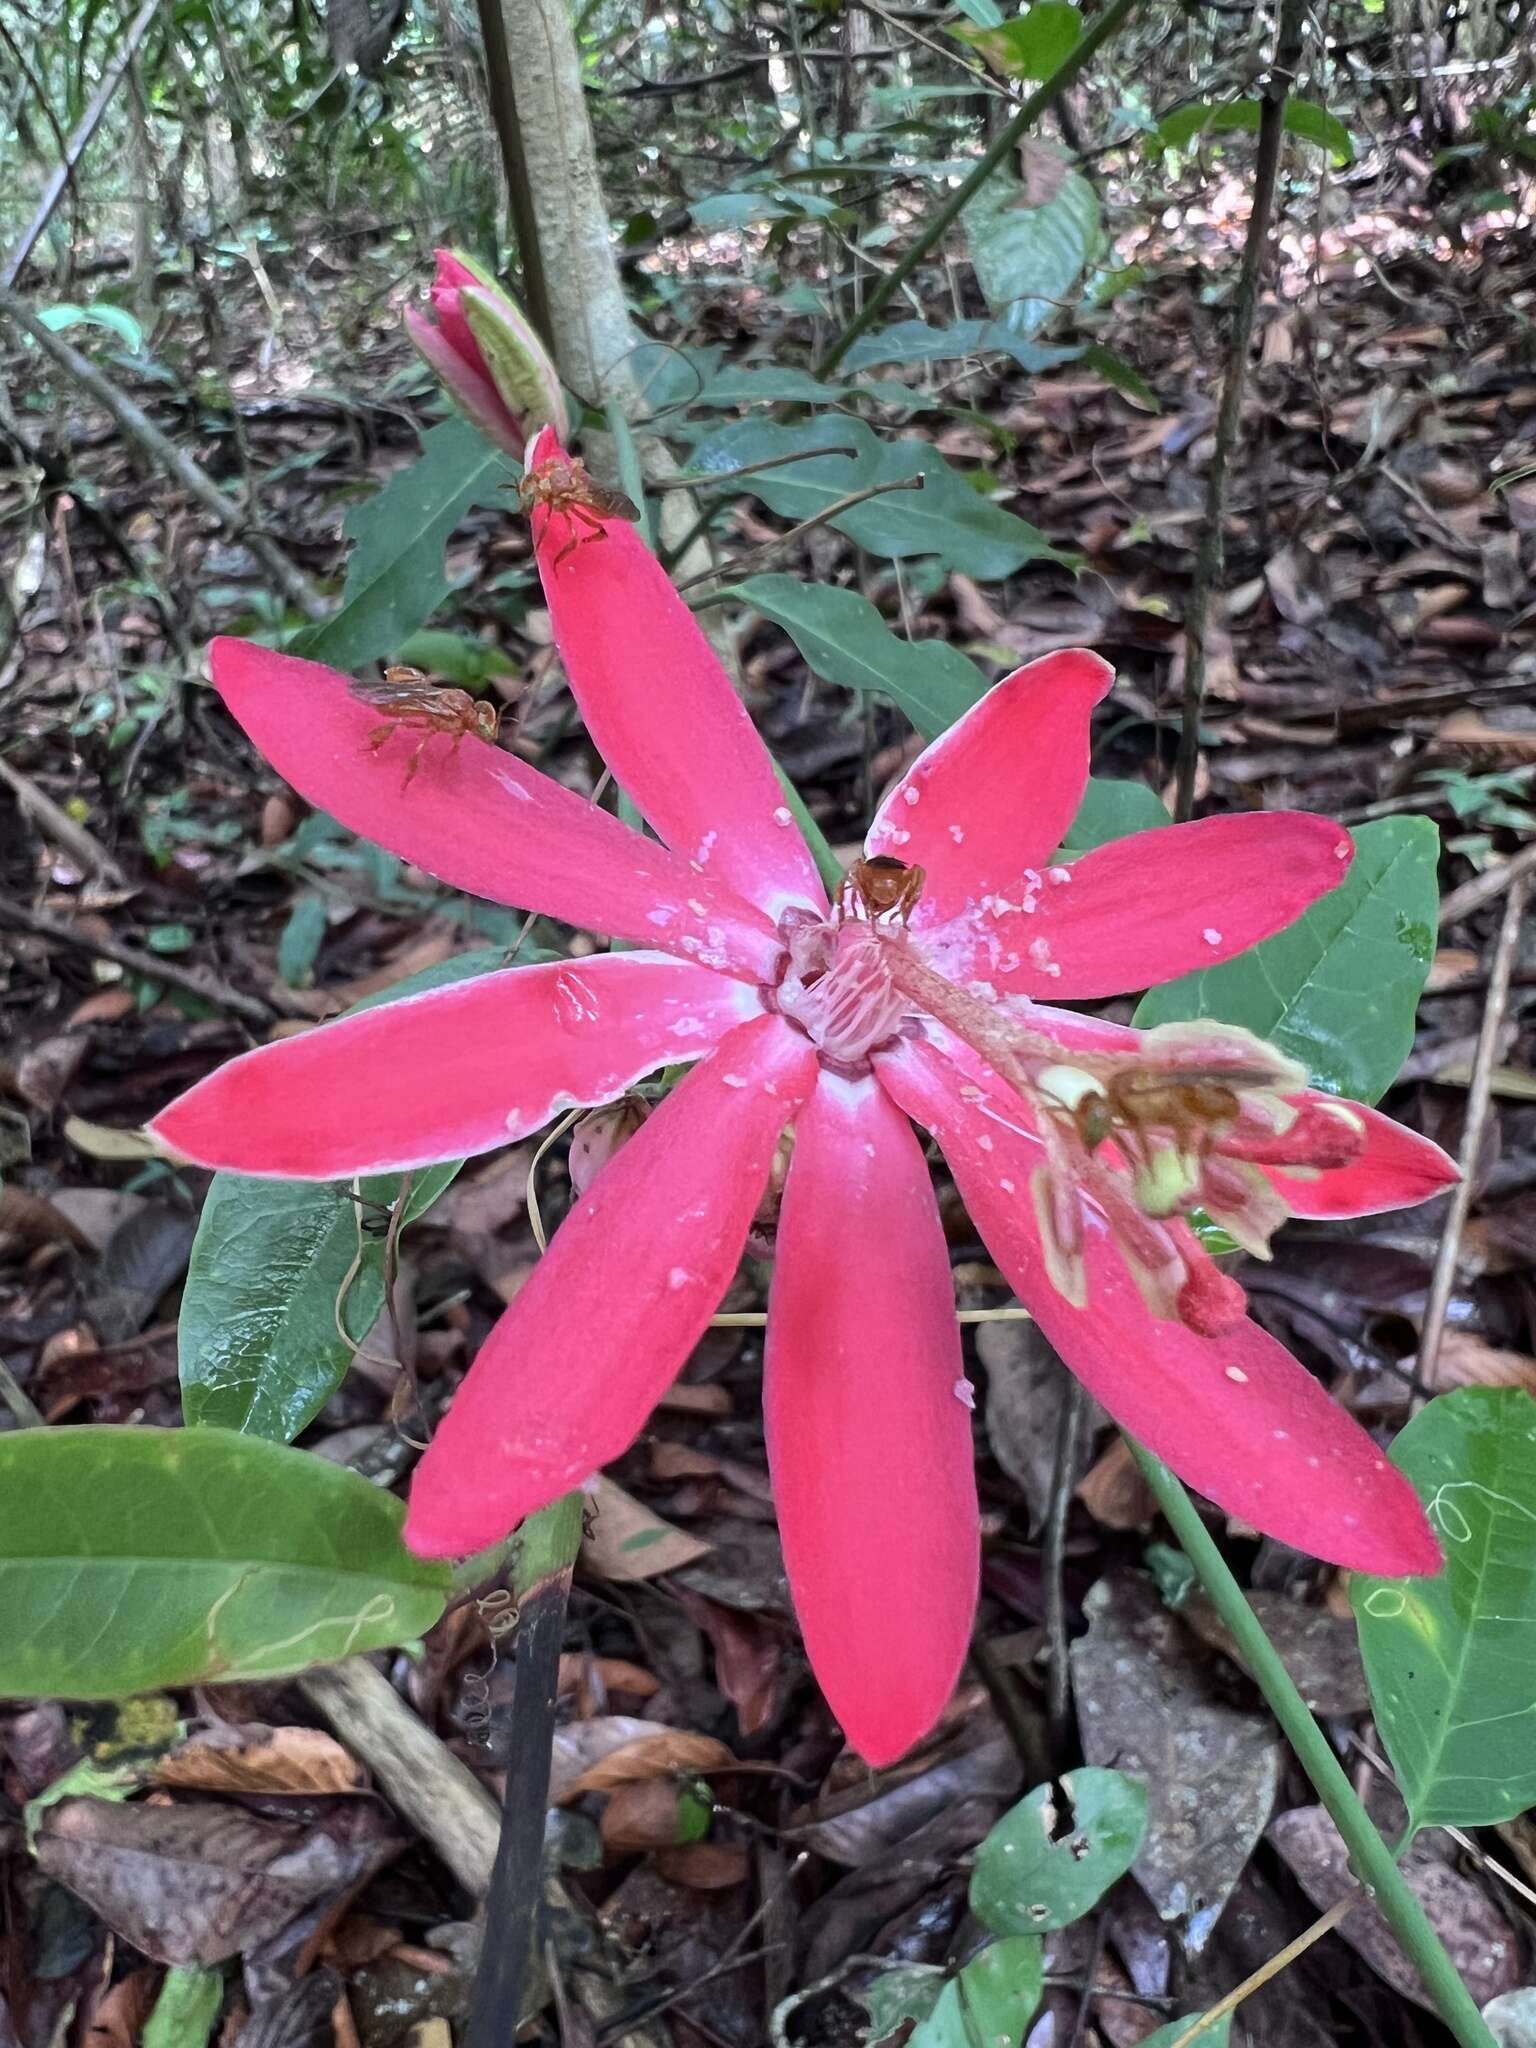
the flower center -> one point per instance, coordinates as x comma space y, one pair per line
837, 989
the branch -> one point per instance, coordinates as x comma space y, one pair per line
1043, 97
207, 987
780, 541
1210, 559
136, 424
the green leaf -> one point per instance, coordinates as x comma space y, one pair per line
907, 1993
1217, 2036
1029, 258
986, 12
1304, 119
397, 577
1039, 1868
1128, 380
948, 517
299, 945
258, 1345
914, 341
990, 2002
186, 2009
1033, 44
116, 319
1113, 810
845, 641
134, 1559
458, 658
1449, 1660
1338, 988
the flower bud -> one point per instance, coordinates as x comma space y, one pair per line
601, 1133
490, 360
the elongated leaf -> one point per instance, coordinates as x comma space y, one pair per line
1337, 989
914, 341
258, 1345
1028, 259
1040, 1869
947, 517
1450, 1660
1033, 44
116, 319
1217, 2036
397, 577
1304, 119
132, 1559
991, 2001
846, 641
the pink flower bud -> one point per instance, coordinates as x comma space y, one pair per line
490, 360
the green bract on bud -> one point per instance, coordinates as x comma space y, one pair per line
490, 360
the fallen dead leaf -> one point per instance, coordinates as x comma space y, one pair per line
255, 1758
660, 1753
626, 1541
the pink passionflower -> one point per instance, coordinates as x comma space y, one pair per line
1078, 1146
490, 359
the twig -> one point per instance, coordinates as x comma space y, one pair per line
83, 848
76, 147
1370, 1857
783, 540
136, 424
757, 1319
509, 137
1045, 95
207, 986
1485, 887
441, 1797
1443, 1280
1053, 1550
698, 479
1200, 2027
541, 1580
1211, 556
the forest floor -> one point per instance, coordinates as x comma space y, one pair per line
1376, 656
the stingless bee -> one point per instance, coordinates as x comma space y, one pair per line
409, 701
880, 886
562, 484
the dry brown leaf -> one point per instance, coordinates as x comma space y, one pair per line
579, 1670
1467, 1360
656, 1755
260, 1759
627, 1541
641, 1815
703, 1866
1114, 1492
584, 1746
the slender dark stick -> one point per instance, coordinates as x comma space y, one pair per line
1045, 95
541, 1581
1053, 1552
509, 137
1211, 557
151, 965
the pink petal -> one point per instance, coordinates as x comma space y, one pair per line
566, 1379
465, 379
868, 1439
994, 794
454, 1070
1397, 1169
661, 710
452, 278
1145, 909
479, 819
1235, 1416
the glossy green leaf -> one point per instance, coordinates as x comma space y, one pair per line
397, 574
990, 2002
1304, 119
1451, 1661
135, 1559
1029, 259
1043, 1867
1338, 988
302, 934
845, 641
1113, 810
186, 2009
115, 319
908, 1992
948, 517
258, 1344
1032, 45
915, 341
457, 658
1217, 2036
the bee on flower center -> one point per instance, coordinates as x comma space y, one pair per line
409, 701
562, 484
880, 886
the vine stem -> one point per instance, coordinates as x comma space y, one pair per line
541, 1580
1092, 39
1372, 1861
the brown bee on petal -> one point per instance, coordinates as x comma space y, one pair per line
409, 701
563, 484
880, 886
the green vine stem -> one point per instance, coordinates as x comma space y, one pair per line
1371, 1859
1092, 39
